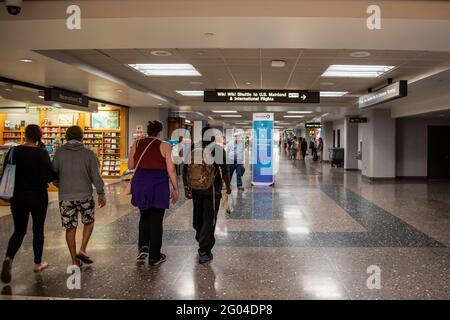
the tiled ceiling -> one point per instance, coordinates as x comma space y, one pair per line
235, 68
251, 69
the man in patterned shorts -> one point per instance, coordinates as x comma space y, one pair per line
78, 169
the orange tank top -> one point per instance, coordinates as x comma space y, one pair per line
152, 158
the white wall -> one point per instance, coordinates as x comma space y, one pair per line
412, 145
350, 145
378, 136
141, 116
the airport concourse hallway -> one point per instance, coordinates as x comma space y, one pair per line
313, 236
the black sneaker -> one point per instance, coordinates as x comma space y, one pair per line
205, 259
162, 258
6, 271
141, 257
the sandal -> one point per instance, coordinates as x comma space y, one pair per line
84, 258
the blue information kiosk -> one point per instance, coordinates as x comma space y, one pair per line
262, 153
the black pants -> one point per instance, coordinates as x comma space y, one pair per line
303, 153
151, 232
204, 222
21, 206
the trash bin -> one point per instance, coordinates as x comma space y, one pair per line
336, 156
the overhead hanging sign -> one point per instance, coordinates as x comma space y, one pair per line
313, 125
261, 96
66, 97
357, 120
388, 93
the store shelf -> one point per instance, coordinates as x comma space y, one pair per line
98, 140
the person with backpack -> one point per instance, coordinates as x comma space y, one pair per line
203, 177
150, 191
78, 168
30, 197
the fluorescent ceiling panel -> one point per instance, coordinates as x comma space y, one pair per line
356, 71
190, 93
332, 93
300, 112
166, 69
224, 111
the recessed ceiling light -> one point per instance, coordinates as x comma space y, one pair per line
41, 95
332, 93
224, 111
356, 71
231, 116
190, 93
166, 69
278, 63
160, 104
299, 112
187, 121
327, 83
8, 87
293, 116
26, 60
360, 54
248, 83
161, 53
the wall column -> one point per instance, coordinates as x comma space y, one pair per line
327, 137
378, 138
350, 145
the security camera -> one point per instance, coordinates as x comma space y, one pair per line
14, 6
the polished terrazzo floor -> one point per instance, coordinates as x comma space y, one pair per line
312, 236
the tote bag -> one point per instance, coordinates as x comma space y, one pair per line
8, 178
128, 188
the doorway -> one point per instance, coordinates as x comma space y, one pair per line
439, 152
